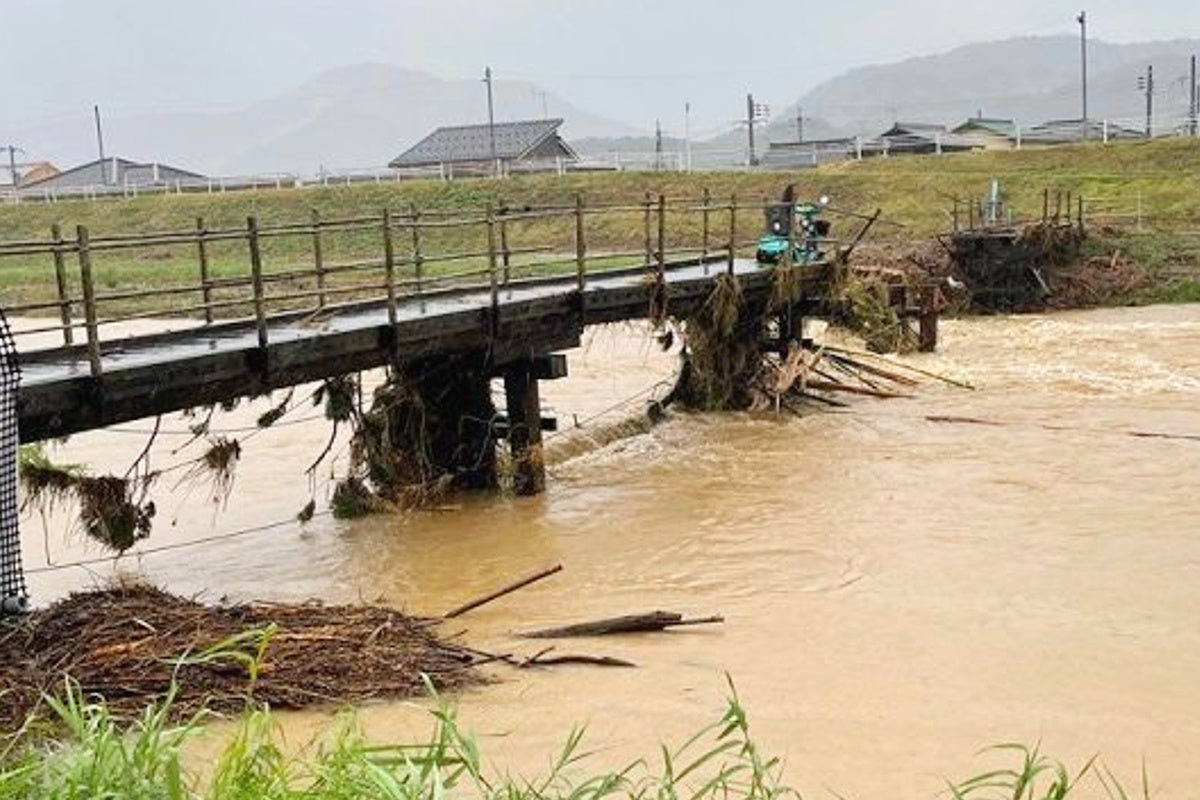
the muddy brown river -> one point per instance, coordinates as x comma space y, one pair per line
899, 592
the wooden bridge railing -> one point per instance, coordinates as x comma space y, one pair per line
256, 272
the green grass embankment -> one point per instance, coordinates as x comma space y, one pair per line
1141, 198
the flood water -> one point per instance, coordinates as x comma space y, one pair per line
899, 592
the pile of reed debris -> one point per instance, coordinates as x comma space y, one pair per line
132, 645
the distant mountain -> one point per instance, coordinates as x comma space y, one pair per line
358, 116
1028, 79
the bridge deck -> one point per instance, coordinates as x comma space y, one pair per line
148, 375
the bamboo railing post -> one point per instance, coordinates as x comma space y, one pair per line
580, 246
649, 245
202, 256
661, 255
417, 256
704, 230
492, 261
505, 256
89, 299
732, 246
389, 266
256, 280
60, 280
318, 247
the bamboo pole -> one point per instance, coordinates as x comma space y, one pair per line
580, 246
418, 258
492, 259
60, 280
202, 256
389, 266
660, 256
732, 246
256, 280
704, 229
318, 257
505, 258
646, 210
89, 299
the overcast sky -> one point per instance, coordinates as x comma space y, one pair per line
630, 60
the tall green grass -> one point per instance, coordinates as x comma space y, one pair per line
81, 751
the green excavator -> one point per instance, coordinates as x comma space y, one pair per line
810, 234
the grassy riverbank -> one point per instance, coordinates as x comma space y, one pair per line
82, 751
1140, 200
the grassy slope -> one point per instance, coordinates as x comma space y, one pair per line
1159, 177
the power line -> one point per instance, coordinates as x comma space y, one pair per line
87, 562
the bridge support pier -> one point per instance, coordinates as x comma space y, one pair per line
525, 428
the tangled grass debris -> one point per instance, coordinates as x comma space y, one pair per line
135, 643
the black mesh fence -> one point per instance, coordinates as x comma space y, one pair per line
12, 576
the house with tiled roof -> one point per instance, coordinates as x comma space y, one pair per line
519, 146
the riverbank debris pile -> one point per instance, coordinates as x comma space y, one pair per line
134, 644
130, 644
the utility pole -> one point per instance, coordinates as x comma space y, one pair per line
750, 124
754, 112
12, 163
100, 145
1195, 100
799, 124
1147, 84
487, 78
658, 147
687, 134
1082, 19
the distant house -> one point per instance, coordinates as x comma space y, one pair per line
811, 153
114, 174
1065, 131
921, 137
27, 174
988, 133
467, 149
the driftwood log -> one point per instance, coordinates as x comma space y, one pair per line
633, 623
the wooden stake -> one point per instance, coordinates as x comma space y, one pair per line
318, 257
256, 280
389, 266
580, 246
89, 299
60, 280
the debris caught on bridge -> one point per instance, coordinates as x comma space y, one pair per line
114, 511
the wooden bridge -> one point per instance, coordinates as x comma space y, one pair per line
500, 291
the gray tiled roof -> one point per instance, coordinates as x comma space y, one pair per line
115, 171
471, 143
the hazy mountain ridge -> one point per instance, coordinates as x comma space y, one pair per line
351, 117
362, 116
1030, 79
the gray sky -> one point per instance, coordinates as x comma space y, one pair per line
630, 60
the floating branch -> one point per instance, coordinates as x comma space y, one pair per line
633, 623
509, 589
